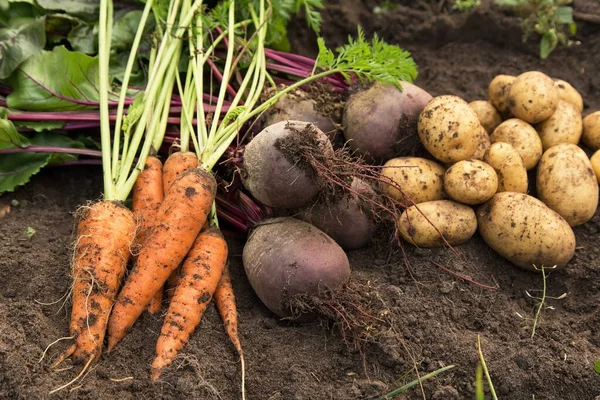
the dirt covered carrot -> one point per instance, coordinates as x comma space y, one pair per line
200, 275
225, 302
179, 219
105, 235
147, 195
177, 164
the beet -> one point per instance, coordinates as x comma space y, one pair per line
347, 220
274, 170
380, 122
284, 257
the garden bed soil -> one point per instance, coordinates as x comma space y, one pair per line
438, 316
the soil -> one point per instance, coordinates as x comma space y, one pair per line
439, 316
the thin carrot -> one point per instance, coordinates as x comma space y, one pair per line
147, 195
178, 221
225, 302
105, 234
175, 165
200, 275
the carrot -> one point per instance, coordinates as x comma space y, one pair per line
225, 302
179, 219
177, 164
147, 195
200, 275
105, 234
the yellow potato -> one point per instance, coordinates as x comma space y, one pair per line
422, 226
512, 175
569, 94
498, 91
448, 129
566, 183
533, 97
483, 143
488, 115
470, 182
420, 179
525, 231
591, 131
595, 160
564, 126
523, 137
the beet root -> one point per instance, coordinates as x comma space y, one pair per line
274, 170
348, 220
380, 122
285, 257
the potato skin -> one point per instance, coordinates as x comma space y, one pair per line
470, 182
569, 94
525, 231
285, 256
564, 126
533, 97
483, 143
448, 128
381, 122
595, 160
566, 183
523, 137
421, 179
488, 115
498, 91
591, 131
512, 175
457, 222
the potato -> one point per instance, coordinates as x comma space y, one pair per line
489, 117
420, 179
595, 160
457, 222
512, 175
591, 131
564, 126
525, 231
448, 128
533, 97
470, 182
483, 143
523, 137
569, 94
498, 91
566, 183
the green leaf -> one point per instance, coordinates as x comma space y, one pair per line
573, 28
19, 42
87, 9
564, 15
30, 232
18, 168
597, 366
9, 137
57, 80
83, 38
548, 44
40, 126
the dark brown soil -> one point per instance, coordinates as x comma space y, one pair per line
438, 316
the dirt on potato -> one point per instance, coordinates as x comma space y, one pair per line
437, 315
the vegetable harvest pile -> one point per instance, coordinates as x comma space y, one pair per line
197, 120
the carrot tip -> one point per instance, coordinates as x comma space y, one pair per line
156, 373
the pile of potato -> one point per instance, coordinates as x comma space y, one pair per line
479, 179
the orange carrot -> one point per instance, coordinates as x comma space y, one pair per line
179, 219
200, 275
225, 302
105, 234
177, 164
147, 196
